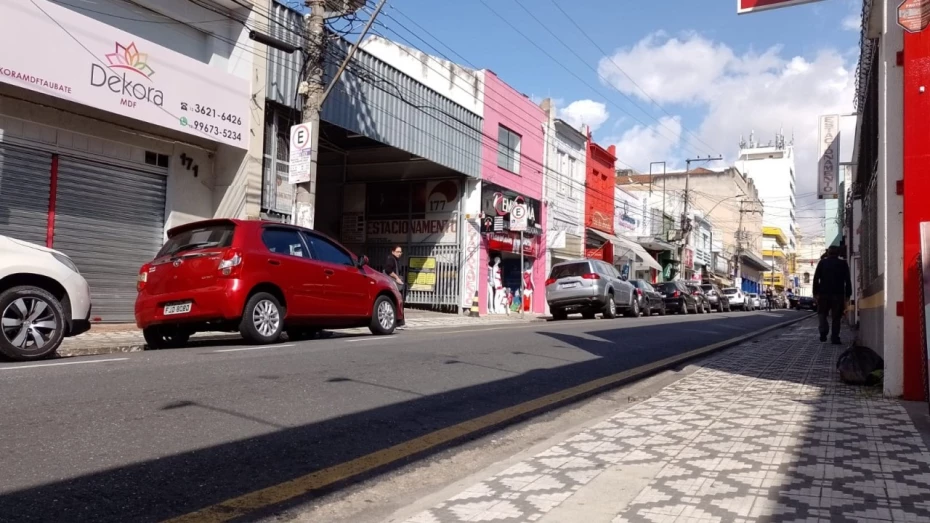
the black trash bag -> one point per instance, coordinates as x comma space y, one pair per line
858, 366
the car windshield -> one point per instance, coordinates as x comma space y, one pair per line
218, 235
707, 287
639, 284
570, 269
729, 291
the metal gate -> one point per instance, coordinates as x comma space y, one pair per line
110, 220
25, 177
446, 293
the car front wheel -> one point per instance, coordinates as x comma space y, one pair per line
383, 317
33, 323
263, 320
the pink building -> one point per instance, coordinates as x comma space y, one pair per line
511, 173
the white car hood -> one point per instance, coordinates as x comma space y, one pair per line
26, 245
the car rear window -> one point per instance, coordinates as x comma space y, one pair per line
209, 236
729, 291
707, 287
570, 269
668, 287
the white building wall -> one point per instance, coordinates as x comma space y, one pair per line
461, 85
772, 172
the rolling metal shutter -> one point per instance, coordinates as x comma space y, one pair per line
110, 220
25, 176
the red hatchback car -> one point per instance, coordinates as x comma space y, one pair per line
259, 278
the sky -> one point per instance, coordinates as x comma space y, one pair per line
663, 81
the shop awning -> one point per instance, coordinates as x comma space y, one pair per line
654, 244
626, 246
753, 260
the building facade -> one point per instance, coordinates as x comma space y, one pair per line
775, 254
771, 168
125, 122
564, 182
599, 200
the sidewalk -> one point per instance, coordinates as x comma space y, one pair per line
762, 432
108, 339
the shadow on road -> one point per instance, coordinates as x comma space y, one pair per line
174, 485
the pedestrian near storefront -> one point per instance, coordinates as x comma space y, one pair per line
392, 269
832, 289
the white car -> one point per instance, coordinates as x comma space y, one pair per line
737, 299
755, 300
43, 299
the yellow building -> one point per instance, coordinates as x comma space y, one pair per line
774, 245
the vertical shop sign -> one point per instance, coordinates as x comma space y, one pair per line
421, 274
828, 167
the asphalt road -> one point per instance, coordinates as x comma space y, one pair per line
154, 435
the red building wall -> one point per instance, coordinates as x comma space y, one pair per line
600, 168
916, 210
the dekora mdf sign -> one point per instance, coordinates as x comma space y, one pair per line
751, 6
53, 50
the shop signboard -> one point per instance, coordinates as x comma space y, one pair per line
751, 6
498, 202
829, 164
510, 242
73, 57
688, 255
421, 274
420, 212
914, 15
627, 217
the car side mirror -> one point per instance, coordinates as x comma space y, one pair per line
362, 261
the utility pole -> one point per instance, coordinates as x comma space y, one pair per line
316, 91
685, 223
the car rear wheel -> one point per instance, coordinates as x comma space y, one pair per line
263, 319
33, 323
383, 317
610, 308
559, 314
633, 310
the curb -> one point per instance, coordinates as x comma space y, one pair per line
122, 347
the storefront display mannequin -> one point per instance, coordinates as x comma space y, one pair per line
527, 301
495, 287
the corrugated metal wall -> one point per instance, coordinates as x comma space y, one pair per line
376, 100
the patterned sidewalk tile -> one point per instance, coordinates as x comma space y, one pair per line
762, 432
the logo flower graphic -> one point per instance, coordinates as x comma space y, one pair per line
129, 57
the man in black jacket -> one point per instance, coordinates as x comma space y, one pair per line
832, 289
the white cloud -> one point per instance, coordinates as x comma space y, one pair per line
641, 145
738, 94
586, 112
853, 21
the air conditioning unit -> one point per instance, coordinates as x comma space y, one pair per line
337, 8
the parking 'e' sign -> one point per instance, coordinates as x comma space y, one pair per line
518, 217
300, 154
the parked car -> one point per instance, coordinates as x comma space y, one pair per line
589, 287
713, 294
43, 299
259, 278
755, 301
678, 297
650, 300
806, 303
703, 304
737, 299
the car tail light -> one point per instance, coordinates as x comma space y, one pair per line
230, 264
639, 292
143, 277
676, 294
592, 276
550, 281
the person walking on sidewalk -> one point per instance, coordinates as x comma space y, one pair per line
769, 299
832, 289
392, 269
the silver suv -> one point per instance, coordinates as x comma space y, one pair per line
589, 287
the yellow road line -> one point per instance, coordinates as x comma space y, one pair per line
275, 494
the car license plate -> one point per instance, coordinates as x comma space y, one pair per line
569, 285
180, 308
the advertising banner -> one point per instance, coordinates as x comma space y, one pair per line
419, 212
56, 51
498, 202
828, 167
510, 242
421, 274
751, 6
627, 217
